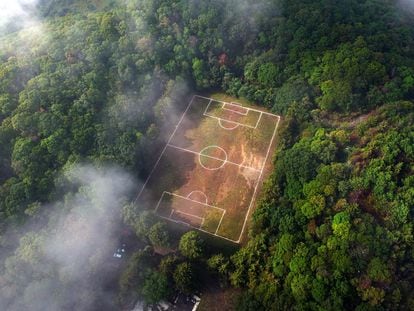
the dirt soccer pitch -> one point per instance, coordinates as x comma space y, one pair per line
208, 174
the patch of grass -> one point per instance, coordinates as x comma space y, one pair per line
219, 299
227, 98
231, 186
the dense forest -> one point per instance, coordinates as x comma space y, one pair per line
87, 90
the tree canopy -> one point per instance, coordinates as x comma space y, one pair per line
191, 245
101, 81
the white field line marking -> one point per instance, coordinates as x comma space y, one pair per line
159, 202
255, 190
190, 215
207, 114
210, 169
211, 157
177, 221
165, 148
221, 219
258, 120
217, 118
198, 191
202, 230
236, 104
223, 211
235, 111
202, 154
184, 198
258, 180
208, 106
252, 109
214, 146
227, 128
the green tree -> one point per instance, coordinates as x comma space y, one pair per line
184, 278
155, 287
346, 74
341, 224
143, 223
378, 271
199, 72
220, 265
159, 235
299, 165
191, 245
134, 274
268, 75
168, 265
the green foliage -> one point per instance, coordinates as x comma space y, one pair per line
268, 75
334, 229
191, 245
218, 263
336, 220
134, 274
158, 235
220, 266
345, 75
184, 278
155, 287
341, 224
168, 264
293, 90
30, 249
299, 165
248, 303
378, 271
199, 72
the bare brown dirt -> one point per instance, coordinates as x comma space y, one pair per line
208, 175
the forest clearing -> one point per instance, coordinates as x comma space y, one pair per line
208, 175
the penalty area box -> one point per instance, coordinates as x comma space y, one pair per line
188, 211
233, 113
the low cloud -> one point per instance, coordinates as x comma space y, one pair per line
406, 5
68, 265
18, 13
22, 31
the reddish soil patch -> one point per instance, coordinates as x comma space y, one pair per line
208, 177
236, 108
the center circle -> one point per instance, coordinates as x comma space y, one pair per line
225, 125
212, 158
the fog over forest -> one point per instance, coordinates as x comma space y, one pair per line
90, 92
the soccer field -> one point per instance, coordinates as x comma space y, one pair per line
207, 176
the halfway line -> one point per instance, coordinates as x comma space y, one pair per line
211, 157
